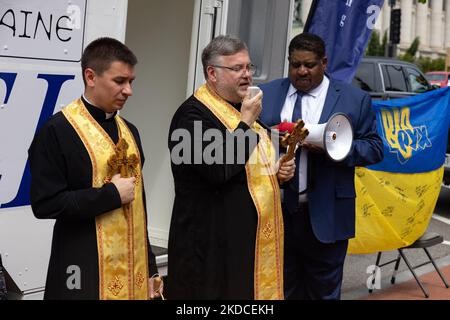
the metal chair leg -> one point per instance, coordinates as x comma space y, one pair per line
397, 264
435, 266
377, 263
414, 274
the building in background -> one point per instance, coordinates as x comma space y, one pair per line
430, 22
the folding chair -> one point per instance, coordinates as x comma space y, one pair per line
428, 239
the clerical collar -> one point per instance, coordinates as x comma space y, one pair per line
237, 106
97, 113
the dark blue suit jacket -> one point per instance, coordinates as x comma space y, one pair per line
331, 188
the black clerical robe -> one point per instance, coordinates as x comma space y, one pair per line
61, 189
214, 220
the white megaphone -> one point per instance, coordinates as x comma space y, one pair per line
335, 137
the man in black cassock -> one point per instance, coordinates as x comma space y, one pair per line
100, 249
221, 237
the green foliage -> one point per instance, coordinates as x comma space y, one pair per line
424, 63
427, 64
410, 54
407, 57
422, 1
374, 47
374, 44
413, 47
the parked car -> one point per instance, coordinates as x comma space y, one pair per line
387, 78
440, 78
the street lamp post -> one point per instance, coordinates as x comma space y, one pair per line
394, 28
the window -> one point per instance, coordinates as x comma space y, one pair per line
260, 23
417, 81
394, 79
246, 20
365, 77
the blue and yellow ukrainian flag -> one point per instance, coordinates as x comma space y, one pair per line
396, 197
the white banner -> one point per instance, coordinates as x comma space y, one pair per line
45, 30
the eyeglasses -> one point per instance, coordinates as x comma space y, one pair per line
251, 68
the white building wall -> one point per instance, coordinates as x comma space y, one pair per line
436, 25
406, 17
386, 17
447, 24
306, 5
429, 21
422, 24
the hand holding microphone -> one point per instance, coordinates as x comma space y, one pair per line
251, 105
253, 91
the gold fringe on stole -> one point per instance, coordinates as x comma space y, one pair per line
121, 239
265, 192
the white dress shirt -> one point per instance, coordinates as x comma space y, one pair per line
312, 106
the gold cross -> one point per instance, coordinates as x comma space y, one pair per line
297, 135
121, 163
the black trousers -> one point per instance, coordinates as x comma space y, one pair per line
312, 270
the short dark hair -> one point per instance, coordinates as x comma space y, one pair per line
100, 53
308, 42
224, 45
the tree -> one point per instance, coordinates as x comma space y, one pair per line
374, 47
424, 63
410, 54
427, 64
412, 50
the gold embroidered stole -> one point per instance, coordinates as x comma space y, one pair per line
264, 189
121, 238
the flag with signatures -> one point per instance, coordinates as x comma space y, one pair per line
396, 197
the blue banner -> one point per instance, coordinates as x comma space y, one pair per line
345, 26
414, 131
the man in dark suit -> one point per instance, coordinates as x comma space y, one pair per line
319, 202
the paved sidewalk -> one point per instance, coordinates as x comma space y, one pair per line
410, 290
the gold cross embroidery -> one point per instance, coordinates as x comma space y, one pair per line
115, 286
